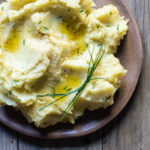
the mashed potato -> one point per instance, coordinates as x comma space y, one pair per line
45, 47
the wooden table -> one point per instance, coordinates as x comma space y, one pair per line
129, 131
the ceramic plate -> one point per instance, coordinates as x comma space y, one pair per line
130, 54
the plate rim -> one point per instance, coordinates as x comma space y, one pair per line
83, 133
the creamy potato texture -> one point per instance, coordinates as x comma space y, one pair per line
45, 47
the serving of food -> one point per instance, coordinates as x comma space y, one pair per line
57, 58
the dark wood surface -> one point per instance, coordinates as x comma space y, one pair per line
129, 131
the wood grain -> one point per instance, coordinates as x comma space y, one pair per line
129, 131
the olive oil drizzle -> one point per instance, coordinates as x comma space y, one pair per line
12, 43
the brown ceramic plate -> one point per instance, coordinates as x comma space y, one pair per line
130, 54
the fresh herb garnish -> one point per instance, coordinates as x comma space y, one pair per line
87, 45
117, 84
24, 42
106, 99
97, 78
108, 25
16, 80
39, 22
45, 28
98, 26
118, 27
18, 99
53, 90
9, 93
110, 13
59, 17
65, 87
91, 69
68, 89
81, 10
